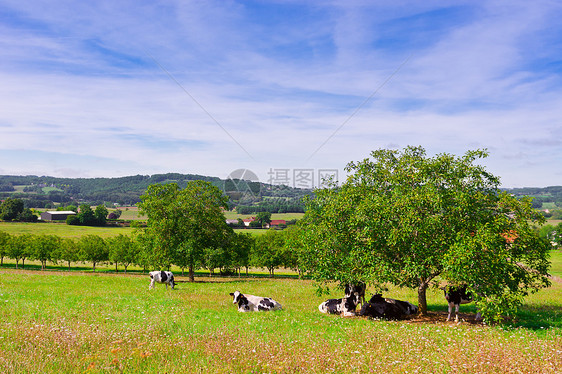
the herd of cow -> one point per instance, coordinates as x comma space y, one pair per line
377, 307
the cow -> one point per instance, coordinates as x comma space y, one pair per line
345, 306
390, 309
456, 296
165, 277
251, 303
357, 289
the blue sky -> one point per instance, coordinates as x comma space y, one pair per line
114, 88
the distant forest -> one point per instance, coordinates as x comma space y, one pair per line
247, 197
49, 192
541, 196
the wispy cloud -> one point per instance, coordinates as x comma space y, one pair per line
280, 77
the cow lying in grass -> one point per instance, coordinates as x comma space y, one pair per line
379, 307
456, 296
165, 277
251, 303
345, 306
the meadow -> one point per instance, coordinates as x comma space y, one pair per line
80, 322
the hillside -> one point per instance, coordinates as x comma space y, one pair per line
47, 192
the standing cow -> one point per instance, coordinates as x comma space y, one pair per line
165, 277
456, 296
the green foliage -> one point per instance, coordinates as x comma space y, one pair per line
93, 249
19, 248
44, 248
10, 209
264, 218
407, 219
182, 223
122, 250
68, 251
269, 251
4, 242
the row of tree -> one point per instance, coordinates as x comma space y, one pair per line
241, 251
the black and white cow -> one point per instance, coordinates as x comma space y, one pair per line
456, 296
165, 277
379, 307
345, 306
356, 289
251, 303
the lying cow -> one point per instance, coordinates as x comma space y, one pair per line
165, 277
456, 296
357, 289
345, 306
379, 307
251, 303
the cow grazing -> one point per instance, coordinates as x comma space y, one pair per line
165, 277
456, 296
345, 306
379, 307
251, 303
356, 289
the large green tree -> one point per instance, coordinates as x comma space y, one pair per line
183, 222
409, 219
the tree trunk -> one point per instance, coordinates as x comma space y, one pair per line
422, 299
126, 269
191, 274
94, 266
68, 265
116, 267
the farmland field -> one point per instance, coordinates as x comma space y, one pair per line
74, 322
61, 229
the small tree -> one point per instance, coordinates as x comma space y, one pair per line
240, 249
268, 251
19, 248
44, 248
68, 251
264, 218
122, 250
93, 249
10, 209
4, 243
100, 214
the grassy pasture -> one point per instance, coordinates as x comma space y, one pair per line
61, 229
77, 322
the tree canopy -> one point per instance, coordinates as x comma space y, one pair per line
182, 223
412, 220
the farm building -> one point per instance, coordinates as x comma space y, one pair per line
56, 215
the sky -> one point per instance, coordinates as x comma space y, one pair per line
285, 90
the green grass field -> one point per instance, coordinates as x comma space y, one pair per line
75, 322
61, 229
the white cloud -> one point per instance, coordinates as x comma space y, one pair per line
91, 81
